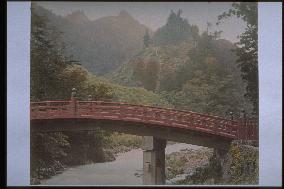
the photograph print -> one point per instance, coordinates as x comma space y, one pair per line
144, 93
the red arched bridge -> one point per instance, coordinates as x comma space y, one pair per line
156, 125
245, 129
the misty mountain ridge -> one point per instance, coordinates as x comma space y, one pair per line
105, 44
78, 17
100, 45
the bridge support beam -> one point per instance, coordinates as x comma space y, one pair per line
153, 160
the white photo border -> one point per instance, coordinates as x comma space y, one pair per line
18, 93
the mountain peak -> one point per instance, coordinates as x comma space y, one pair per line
78, 17
124, 14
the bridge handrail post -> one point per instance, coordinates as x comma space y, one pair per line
242, 130
239, 129
47, 109
247, 133
90, 99
74, 102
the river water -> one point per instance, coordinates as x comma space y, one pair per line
125, 170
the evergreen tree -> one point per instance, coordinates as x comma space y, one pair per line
247, 50
47, 60
175, 31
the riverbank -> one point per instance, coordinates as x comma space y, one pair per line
185, 165
180, 165
206, 167
126, 169
113, 145
118, 145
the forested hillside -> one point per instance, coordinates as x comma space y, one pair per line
191, 70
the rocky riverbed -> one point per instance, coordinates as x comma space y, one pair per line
205, 166
185, 163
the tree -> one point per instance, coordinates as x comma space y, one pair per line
99, 91
176, 30
208, 92
247, 50
139, 71
47, 59
151, 75
53, 75
47, 63
73, 76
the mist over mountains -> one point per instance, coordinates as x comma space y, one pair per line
100, 45
77, 17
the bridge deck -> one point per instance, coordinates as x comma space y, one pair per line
148, 115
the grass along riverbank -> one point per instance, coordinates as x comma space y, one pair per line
119, 142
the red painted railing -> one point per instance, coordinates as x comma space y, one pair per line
246, 129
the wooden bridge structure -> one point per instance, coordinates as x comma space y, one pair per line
156, 125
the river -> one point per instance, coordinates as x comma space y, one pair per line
125, 170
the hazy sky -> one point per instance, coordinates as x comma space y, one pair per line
155, 14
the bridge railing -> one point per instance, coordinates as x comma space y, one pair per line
163, 116
248, 129
241, 129
51, 109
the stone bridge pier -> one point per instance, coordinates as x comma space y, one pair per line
153, 160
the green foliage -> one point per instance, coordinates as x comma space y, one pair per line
175, 165
139, 71
199, 75
52, 73
53, 145
132, 95
98, 91
72, 77
47, 149
116, 140
52, 77
247, 50
86, 146
241, 161
152, 74
206, 87
244, 166
147, 74
175, 31
138, 96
